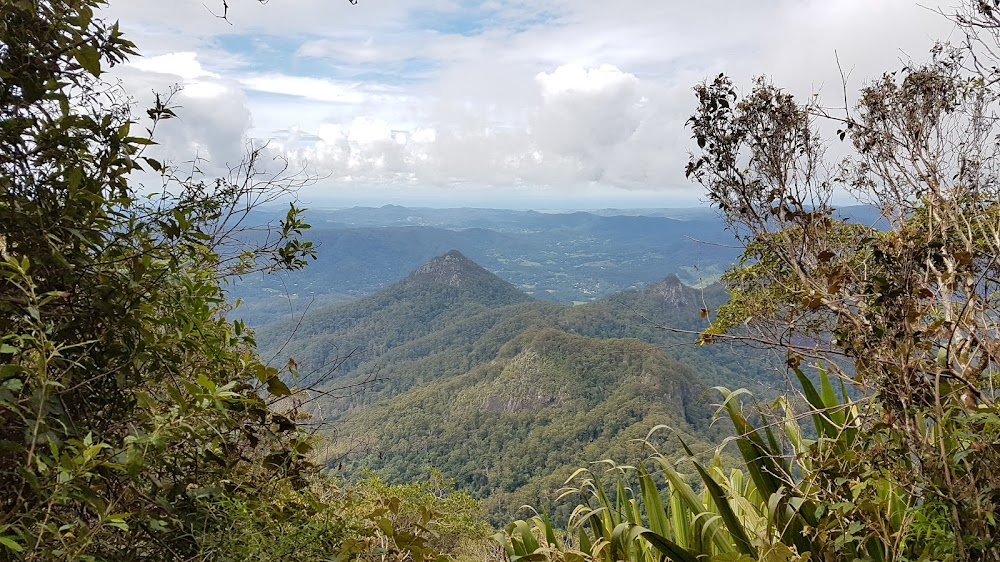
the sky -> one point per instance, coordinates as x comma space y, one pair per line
494, 103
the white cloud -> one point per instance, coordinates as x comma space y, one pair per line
212, 113
312, 88
578, 95
586, 112
184, 65
203, 89
354, 49
365, 130
571, 78
586, 125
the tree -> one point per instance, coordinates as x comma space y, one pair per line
906, 309
136, 421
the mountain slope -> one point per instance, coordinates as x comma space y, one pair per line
560, 257
504, 393
447, 291
513, 429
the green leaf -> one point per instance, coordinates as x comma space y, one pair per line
9, 542
680, 519
830, 399
205, 383
702, 526
277, 388
117, 521
154, 164
823, 426
668, 548
73, 179
550, 534
732, 522
89, 58
655, 510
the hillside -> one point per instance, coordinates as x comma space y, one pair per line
453, 367
513, 429
446, 292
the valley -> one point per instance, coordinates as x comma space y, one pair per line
507, 348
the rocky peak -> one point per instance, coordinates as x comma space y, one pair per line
671, 290
452, 269
455, 272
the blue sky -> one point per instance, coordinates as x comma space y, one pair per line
517, 103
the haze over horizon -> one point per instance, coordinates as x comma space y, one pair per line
518, 200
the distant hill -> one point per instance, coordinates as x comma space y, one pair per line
500, 391
558, 257
555, 256
465, 278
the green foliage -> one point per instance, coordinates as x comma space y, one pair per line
510, 431
417, 520
136, 421
788, 499
904, 309
507, 398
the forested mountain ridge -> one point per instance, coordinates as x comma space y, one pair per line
559, 257
451, 314
447, 297
512, 430
452, 367
456, 271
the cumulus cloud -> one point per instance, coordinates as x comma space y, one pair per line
354, 49
588, 124
586, 115
313, 88
573, 94
184, 65
212, 114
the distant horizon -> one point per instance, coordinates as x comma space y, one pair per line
541, 205
554, 208
486, 198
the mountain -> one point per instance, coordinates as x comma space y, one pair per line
450, 297
558, 257
465, 278
454, 367
513, 429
